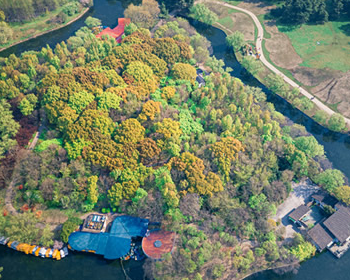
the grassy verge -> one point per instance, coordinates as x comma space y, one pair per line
41, 24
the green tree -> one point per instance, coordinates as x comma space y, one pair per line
5, 33
79, 100
92, 196
309, 145
26, 107
321, 117
2, 16
92, 22
201, 13
343, 193
139, 72
330, 179
336, 122
184, 71
129, 29
108, 100
8, 128
130, 131
70, 226
144, 15
277, 84
252, 65
236, 40
303, 251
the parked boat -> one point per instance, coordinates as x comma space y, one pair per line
42, 252
47, 254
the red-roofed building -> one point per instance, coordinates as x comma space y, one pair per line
117, 32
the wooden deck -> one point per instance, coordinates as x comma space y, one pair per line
166, 244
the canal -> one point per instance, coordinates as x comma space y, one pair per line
84, 266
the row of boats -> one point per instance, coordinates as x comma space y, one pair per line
34, 249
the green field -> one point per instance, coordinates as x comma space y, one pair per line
227, 22
322, 46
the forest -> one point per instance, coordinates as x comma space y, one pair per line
126, 128
318, 11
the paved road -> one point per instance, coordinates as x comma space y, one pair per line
274, 69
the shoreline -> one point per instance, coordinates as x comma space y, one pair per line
48, 31
266, 269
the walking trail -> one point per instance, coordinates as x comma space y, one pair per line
274, 69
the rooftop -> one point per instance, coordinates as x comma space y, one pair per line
116, 32
325, 198
114, 244
320, 236
299, 212
339, 224
158, 243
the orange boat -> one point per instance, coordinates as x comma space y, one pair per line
47, 253
55, 252
30, 249
37, 252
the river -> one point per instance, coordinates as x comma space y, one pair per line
86, 266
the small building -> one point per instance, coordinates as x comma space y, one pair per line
116, 32
297, 214
114, 244
322, 199
320, 237
158, 243
339, 224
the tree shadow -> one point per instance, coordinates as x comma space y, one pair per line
345, 29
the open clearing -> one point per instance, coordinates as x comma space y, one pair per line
322, 46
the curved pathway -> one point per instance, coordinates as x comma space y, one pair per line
273, 68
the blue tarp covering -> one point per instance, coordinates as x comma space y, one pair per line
112, 245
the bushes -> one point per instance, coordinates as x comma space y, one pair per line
70, 226
71, 9
47, 143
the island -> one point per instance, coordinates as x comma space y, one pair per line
133, 142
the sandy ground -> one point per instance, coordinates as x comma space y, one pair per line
300, 195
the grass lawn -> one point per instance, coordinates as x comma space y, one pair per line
227, 22
322, 46
38, 25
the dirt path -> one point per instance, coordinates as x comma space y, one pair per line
273, 68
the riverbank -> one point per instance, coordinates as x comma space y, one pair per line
304, 96
32, 36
